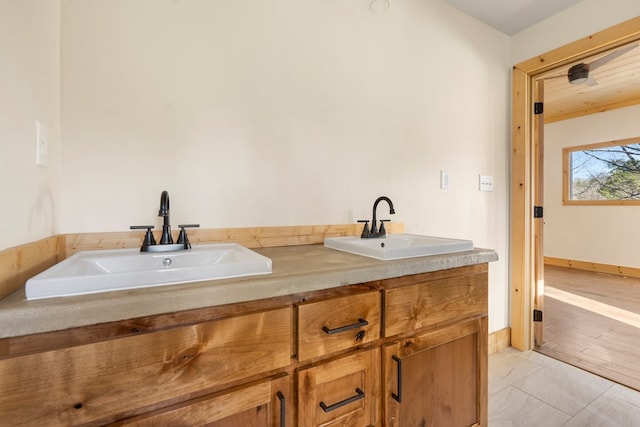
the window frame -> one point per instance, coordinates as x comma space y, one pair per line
566, 174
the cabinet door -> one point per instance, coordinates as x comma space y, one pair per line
344, 392
263, 404
438, 378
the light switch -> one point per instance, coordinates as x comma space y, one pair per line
486, 183
444, 180
42, 145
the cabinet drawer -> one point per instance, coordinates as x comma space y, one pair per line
102, 381
344, 392
264, 404
337, 324
432, 302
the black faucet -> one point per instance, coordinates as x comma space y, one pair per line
375, 231
166, 240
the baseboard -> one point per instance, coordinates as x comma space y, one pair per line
499, 340
593, 266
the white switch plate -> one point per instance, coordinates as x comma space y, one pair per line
486, 183
444, 180
42, 145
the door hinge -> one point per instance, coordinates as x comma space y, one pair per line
537, 315
537, 212
538, 108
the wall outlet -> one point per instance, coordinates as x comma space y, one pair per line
486, 183
42, 145
444, 180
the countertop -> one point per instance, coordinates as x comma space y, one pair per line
295, 269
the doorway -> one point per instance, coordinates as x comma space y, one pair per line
526, 281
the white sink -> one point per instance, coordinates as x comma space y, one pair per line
117, 269
398, 246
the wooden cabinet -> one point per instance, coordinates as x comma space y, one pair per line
405, 351
433, 339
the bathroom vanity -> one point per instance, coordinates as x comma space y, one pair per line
328, 339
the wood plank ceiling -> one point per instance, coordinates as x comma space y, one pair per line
618, 86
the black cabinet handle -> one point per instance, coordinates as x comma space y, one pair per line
361, 323
359, 395
282, 408
398, 397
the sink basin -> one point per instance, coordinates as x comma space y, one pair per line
398, 246
117, 269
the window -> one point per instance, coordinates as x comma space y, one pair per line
607, 173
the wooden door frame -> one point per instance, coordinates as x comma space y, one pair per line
538, 200
525, 180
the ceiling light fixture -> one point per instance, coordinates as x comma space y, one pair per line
379, 6
578, 74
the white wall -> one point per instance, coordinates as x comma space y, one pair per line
264, 113
285, 112
602, 234
572, 24
29, 91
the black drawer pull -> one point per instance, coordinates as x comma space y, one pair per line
282, 408
398, 397
361, 323
358, 396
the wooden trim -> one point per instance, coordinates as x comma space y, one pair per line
522, 256
22, 262
521, 207
601, 202
250, 237
593, 266
499, 340
537, 181
566, 174
592, 110
614, 143
610, 38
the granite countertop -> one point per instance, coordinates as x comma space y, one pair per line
295, 269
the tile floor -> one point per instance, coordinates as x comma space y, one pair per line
530, 389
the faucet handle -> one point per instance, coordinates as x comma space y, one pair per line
189, 226
365, 230
148, 237
183, 239
382, 230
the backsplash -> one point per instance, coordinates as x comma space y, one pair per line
22, 262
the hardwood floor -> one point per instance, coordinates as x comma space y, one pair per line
592, 321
